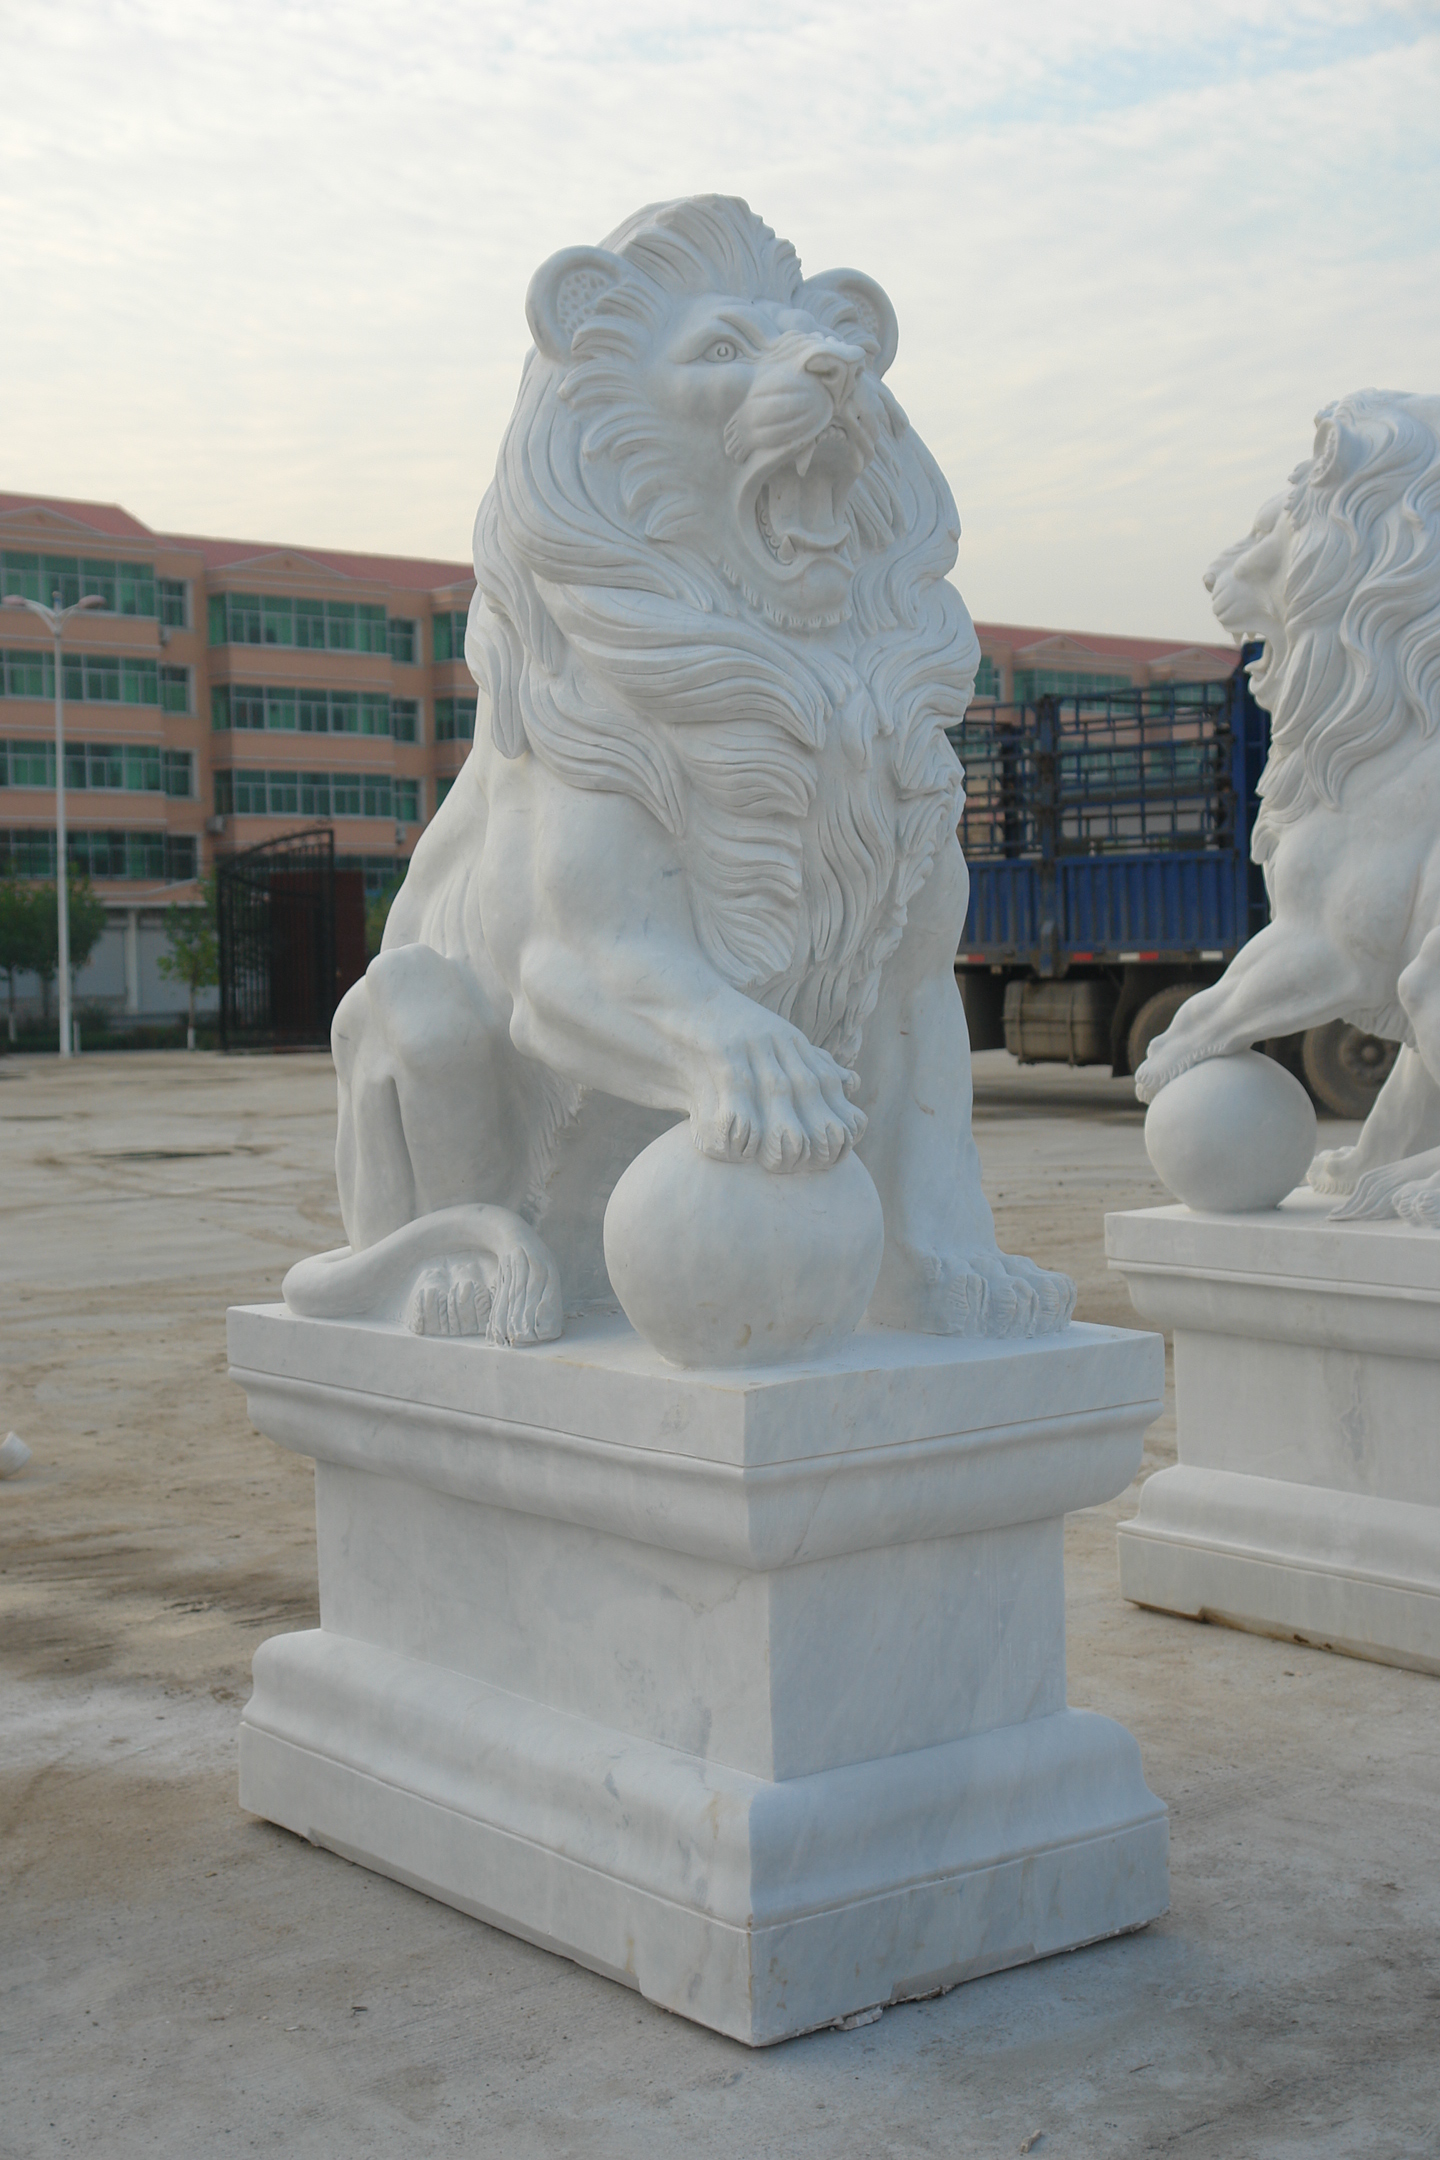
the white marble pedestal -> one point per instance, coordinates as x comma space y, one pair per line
1306, 1501
746, 1689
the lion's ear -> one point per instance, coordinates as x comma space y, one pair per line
1339, 450
871, 303
563, 292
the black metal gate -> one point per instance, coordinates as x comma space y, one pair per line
276, 909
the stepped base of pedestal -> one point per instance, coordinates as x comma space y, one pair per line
1306, 1502
761, 1909
1304, 1562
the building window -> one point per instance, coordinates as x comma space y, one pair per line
448, 635
443, 787
1032, 683
172, 600
315, 795
404, 643
987, 681
405, 719
247, 707
407, 802
175, 689
345, 795
284, 794
220, 707
137, 768
454, 719
344, 712
374, 713
125, 588
378, 796
224, 784
306, 625
88, 678
156, 857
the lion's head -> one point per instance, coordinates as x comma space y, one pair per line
711, 575
1341, 579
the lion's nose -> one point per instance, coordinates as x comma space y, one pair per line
834, 370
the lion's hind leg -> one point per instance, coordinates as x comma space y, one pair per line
1404, 1120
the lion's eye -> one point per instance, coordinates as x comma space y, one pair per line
723, 349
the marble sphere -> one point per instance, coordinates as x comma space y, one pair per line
723, 1263
1232, 1134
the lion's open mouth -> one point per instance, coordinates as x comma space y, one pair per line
799, 510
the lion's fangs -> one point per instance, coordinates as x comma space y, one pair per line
782, 550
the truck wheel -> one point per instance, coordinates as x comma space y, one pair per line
1154, 1017
1345, 1069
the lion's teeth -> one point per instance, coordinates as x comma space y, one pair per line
802, 463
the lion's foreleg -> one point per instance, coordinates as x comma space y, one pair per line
942, 1272
1405, 1119
1287, 978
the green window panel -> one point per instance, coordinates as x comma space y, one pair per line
29, 674
454, 719
102, 765
178, 768
220, 708
251, 793
1032, 683
340, 625
247, 705
32, 764
143, 768
124, 588
280, 709
175, 689
405, 719
284, 794
217, 619
370, 630
279, 619
374, 713
315, 795
346, 791
172, 602
407, 801
344, 712
404, 640
379, 795
182, 864
31, 852
310, 625
223, 780
313, 708
448, 635
244, 619
442, 789
987, 680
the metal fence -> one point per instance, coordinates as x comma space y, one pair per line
276, 914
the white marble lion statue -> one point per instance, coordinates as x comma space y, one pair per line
1341, 579
701, 862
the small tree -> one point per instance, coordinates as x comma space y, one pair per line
17, 934
87, 927
194, 955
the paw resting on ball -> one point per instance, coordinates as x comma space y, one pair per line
1233, 1135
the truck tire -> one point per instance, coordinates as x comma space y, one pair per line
1154, 1016
1345, 1069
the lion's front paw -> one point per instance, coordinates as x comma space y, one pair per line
778, 1101
1374, 1195
988, 1293
1332, 1171
1419, 1203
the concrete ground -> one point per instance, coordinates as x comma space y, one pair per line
177, 1979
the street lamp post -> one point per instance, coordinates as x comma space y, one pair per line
55, 618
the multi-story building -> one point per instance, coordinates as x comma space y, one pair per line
229, 692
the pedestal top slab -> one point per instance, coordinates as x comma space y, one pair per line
894, 1438
601, 1382
1294, 1243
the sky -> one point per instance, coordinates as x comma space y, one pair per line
263, 266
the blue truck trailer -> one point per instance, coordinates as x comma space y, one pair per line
1108, 841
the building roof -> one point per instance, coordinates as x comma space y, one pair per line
1035, 646
409, 572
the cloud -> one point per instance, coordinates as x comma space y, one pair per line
264, 266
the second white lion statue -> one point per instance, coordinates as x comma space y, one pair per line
1341, 579
701, 862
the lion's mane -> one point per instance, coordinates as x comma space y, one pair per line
806, 772
1358, 666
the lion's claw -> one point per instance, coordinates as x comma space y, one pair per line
1331, 1172
780, 1102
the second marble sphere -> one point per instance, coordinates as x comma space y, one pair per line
1232, 1135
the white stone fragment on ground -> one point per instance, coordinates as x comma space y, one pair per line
13, 1455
